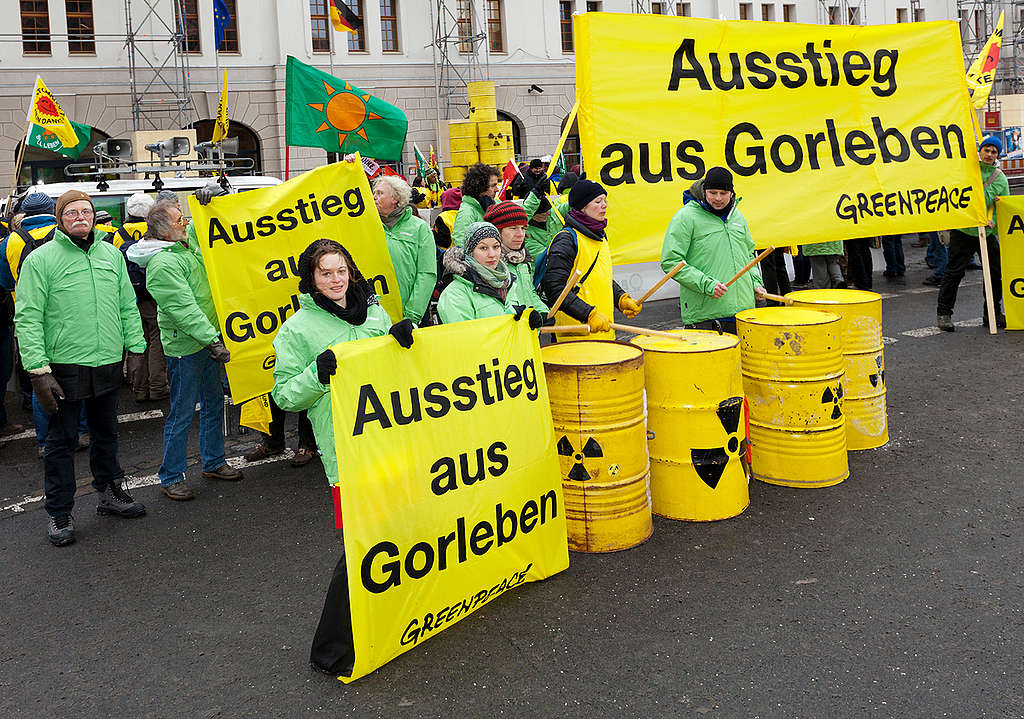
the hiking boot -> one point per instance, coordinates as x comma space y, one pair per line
84, 440
115, 501
302, 457
945, 323
179, 491
262, 452
61, 530
225, 472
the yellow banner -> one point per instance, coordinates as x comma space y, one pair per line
220, 125
251, 244
982, 72
46, 112
451, 490
831, 132
1010, 223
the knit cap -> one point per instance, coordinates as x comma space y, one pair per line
479, 231
506, 214
139, 205
583, 193
37, 203
718, 178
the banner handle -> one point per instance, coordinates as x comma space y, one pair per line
986, 273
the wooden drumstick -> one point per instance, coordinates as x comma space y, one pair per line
559, 329
565, 292
663, 280
645, 331
749, 265
777, 298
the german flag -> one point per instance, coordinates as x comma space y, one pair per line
343, 19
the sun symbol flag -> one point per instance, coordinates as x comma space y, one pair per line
46, 139
324, 111
982, 72
45, 112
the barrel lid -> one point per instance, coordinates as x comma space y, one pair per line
783, 316
588, 352
692, 341
834, 297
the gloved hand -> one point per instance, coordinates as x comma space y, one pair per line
208, 191
219, 352
402, 332
47, 390
519, 310
538, 319
326, 366
541, 186
628, 306
598, 322
135, 362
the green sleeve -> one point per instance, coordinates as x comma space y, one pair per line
755, 271
455, 303
296, 386
131, 321
165, 280
29, 306
675, 249
426, 274
531, 203
528, 291
463, 220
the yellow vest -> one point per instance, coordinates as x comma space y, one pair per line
596, 289
448, 218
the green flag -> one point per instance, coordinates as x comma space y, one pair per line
421, 163
45, 139
323, 111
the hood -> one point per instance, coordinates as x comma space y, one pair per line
454, 260
35, 221
143, 251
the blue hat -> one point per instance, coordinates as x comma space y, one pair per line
38, 203
994, 141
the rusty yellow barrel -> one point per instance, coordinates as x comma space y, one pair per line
792, 363
596, 392
483, 105
860, 318
695, 425
495, 142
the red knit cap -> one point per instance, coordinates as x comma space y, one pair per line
506, 214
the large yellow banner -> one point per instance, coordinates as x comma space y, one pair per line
831, 132
1010, 222
251, 244
451, 490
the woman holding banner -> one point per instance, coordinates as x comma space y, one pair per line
410, 244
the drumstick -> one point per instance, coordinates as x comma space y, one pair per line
558, 329
568, 286
663, 280
777, 298
645, 331
750, 264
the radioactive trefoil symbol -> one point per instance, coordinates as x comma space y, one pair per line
590, 449
879, 376
829, 396
709, 464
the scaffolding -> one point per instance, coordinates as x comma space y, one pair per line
842, 12
978, 20
158, 68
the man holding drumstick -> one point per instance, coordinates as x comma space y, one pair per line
713, 238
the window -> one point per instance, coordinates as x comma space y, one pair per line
919, 14
35, 27
853, 16
657, 9
901, 14
495, 34
186, 18
465, 10
389, 25
767, 12
357, 39
789, 13
593, 6
834, 18
81, 27
746, 10
230, 43
565, 24
319, 25
683, 9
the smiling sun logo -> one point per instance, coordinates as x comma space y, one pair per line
345, 112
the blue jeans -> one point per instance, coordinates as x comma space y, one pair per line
41, 420
194, 377
892, 250
937, 254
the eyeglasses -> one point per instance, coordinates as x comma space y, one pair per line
70, 214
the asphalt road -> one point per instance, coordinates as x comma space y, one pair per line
897, 593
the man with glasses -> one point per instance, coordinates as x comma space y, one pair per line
75, 315
176, 278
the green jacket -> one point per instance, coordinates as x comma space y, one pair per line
176, 277
76, 307
714, 250
817, 249
469, 212
532, 202
524, 278
999, 187
467, 299
414, 255
301, 338
538, 238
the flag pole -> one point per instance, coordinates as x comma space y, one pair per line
24, 143
286, 158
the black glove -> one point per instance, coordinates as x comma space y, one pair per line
326, 366
402, 331
538, 319
416, 197
519, 310
208, 191
219, 352
47, 390
541, 186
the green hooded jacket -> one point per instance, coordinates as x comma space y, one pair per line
999, 187
76, 307
301, 338
176, 277
714, 250
469, 212
414, 255
464, 300
538, 238
818, 249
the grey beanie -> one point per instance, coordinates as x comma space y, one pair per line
479, 231
139, 205
38, 203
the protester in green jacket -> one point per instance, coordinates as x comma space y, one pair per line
410, 244
544, 224
711, 235
75, 316
824, 258
483, 285
336, 305
510, 219
478, 189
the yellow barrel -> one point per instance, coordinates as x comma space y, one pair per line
464, 159
860, 319
454, 175
695, 428
596, 391
483, 106
792, 363
494, 135
462, 143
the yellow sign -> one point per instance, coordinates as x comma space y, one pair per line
251, 244
451, 492
831, 132
982, 72
1010, 223
46, 112
220, 125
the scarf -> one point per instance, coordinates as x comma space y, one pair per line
357, 299
498, 278
515, 257
392, 218
484, 201
595, 226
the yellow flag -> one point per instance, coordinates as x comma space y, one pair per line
46, 112
256, 414
220, 126
983, 70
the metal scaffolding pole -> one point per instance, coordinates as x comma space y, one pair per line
158, 69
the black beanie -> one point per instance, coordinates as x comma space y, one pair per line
718, 178
568, 180
583, 193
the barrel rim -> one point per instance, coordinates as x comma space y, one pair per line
867, 296
627, 345
754, 317
638, 340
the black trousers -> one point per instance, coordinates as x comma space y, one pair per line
275, 440
961, 248
859, 267
775, 275
801, 269
332, 649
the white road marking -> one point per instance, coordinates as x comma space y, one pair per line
930, 331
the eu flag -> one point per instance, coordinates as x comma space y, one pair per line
221, 18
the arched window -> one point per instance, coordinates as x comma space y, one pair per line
41, 165
248, 142
517, 133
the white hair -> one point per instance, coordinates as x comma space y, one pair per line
399, 188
